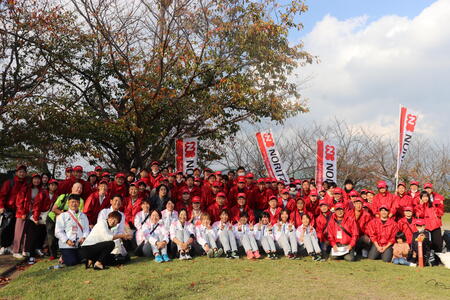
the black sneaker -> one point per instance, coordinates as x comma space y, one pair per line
234, 254
228, 255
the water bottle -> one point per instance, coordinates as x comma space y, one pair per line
58, 266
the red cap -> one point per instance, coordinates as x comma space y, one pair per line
297, 181
381, 184
221, 194
140, 182
273, 198
363, 191
323, 202
218, 173
185, 190
383, 207
198, 179
179, 172
353, 193
414, 182
338, 190
284, 191
273, 180
103, 182
371, 192
196, 199
249, 175
428, 185
280, 182
98, 168
366, 204
241, 179
407, 208
35, 175
118, 175
419, 222
217, 184
135, 184
21, 167
69, 169
267, 180
358, 199
105, 174
53, 181
401, 183
313, 193
261, 180
241, 195
339, 205
154, 163
92, 173
78, 169
171, 174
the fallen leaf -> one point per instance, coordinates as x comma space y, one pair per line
87, 281
192, 284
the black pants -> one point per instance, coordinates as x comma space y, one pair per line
7, 232
52, 241
31, 232
362, 243
386, 256
436, 240
98, 252
70, 256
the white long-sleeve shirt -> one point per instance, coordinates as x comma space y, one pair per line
160, 234
201, 232
284, 229
168, 217
100, 233
67, 229
309, 230
259, 234
245, 229
188, 227
103, 215
226, 227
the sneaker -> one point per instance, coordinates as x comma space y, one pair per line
31, 261
17, 256
210, 253
26, 254
413, 265
188, 256
218, 252
159, 259
291, 256
39, 252
2, 251
364, 253
228, 255
256, 254
250, 255
234, 254
165, 257
182, 256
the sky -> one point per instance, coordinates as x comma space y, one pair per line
375, 55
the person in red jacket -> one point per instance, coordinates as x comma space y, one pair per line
431, 213
215, 209
260, 196
241, 206
407, 224
96, 202
155, 174
414, 192
321, 226
297, 213
209, 195
342, 234
132, 205
118, 186
382, 233
362, 219
312, 203
185, 199
28, 203
428, 187
285, 201
193, 189
240, 187
401, 200
383, 198
65, 186
8, 194
273, 210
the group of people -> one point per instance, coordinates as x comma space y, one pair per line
165, 214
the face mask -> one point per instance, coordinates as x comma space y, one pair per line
241, 174
298, 186
292, 189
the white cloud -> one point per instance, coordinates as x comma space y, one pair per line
368, 68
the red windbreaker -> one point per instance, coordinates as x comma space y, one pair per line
382, 233
336, 235
407, 227
235, 212
92, 206
432, 215
362, 221
8, 195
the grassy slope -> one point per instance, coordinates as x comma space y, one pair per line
220, 278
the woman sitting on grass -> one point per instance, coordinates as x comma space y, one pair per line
97, 247
245, 236
206, 238
307, 238
284, 232
156, 238
226, 239
264, 236
182, 234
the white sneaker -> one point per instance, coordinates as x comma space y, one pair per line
365, 253
17, 255
188, 257
182, 257
2, 251
413, 265
25, 253
31, 261
39, 252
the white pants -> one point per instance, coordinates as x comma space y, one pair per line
227, 241
268, 244
210, 241
183, 236
310, 243
150, 250
287, 242
248, 242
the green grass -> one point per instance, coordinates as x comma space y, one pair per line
446, 220
223, 279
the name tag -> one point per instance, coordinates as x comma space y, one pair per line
339, 234
74, 228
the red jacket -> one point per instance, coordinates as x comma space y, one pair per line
48, 203
8, 195
214, 211
208, 198
322, 222
382, 233
291, 204
432, 215
92, 206
235, 212
132, 209
154, 179
234, 191
383, 199
274, 218
336, 235
25, 204
296, 216
312, 207
362, 221
65, 186
261, 198
115, 189
408, 228
400, 202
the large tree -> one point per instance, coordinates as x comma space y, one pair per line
126, 78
